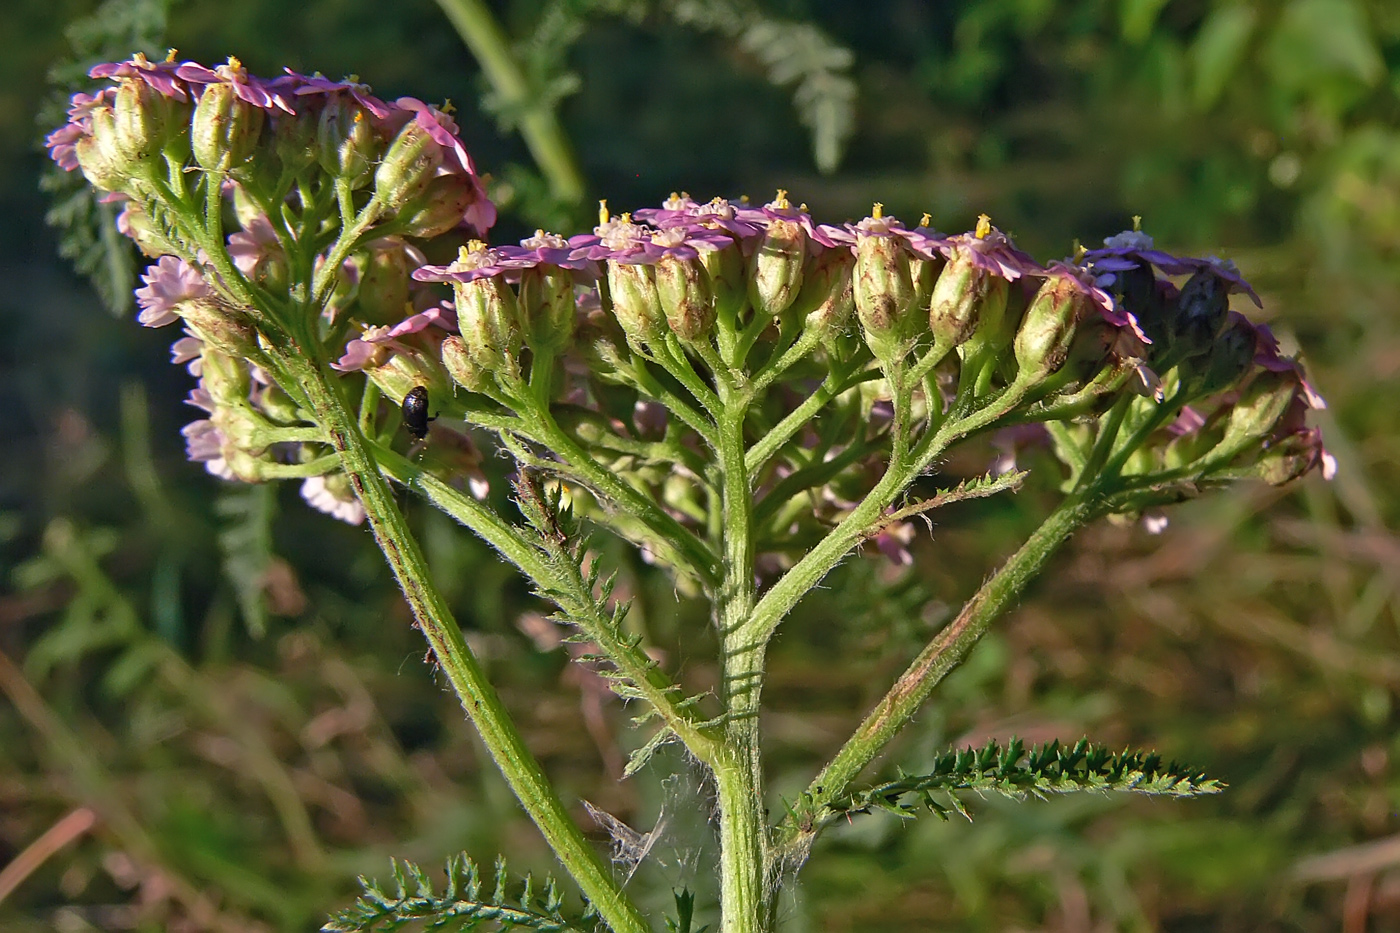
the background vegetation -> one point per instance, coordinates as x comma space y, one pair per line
228, 682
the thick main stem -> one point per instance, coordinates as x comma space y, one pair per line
739, 773
488, 714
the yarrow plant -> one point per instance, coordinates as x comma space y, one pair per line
746, 395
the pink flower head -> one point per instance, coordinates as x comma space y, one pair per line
253, 90
1101, 299
781, 209
548, 249
161, 76
169, 281
988, 249
204, 443
717, 214
371, 347
62, 142
476, 260
254, 243
300, 85
1133, 249
440, 127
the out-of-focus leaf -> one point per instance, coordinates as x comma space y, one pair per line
1218, 49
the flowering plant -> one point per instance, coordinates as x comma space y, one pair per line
746, 395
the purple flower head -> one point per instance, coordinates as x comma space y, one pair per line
476, 260
373, 347
169, 281
988, 249
161, 76
1133, 249
253, 90
300, 85
549, 249
716, 214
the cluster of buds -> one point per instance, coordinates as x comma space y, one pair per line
615, 350
285, 205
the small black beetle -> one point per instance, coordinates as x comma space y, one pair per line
415, 412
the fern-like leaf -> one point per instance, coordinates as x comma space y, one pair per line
1014, 771
461, 904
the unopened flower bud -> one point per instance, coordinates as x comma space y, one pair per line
1200, 312
635, 301
225, 128
409, 166
687, 297
1260, 406
547, 308
220, 326
384, 277
294, 140
828, 293
101, 161
345, 141
775, 268
884, 295
1140, 294
148, 236
1292, 456
966, 300
726, 270
1049, 325
458, 363
402, 372
278, 405
226, 378
488, 318
1230, 356
144, 120
440, 207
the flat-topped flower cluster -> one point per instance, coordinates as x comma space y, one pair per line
625, 332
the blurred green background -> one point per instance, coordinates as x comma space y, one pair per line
229, 684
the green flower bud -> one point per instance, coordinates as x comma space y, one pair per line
148, 236
278, 405
220, 326
488, 318
1230, 357
384, 276
687, 297
829, 293
346, 145
440, 207
1049, 326
883, 293
1200, 312
98, 155
404, 371
725, 268
1263, 402
547, 307
775, 268
1293, 456
225, 128
225, 377
635, 301
458, 363
246, 466
409, 166
294, 140
144, 120
966, 300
